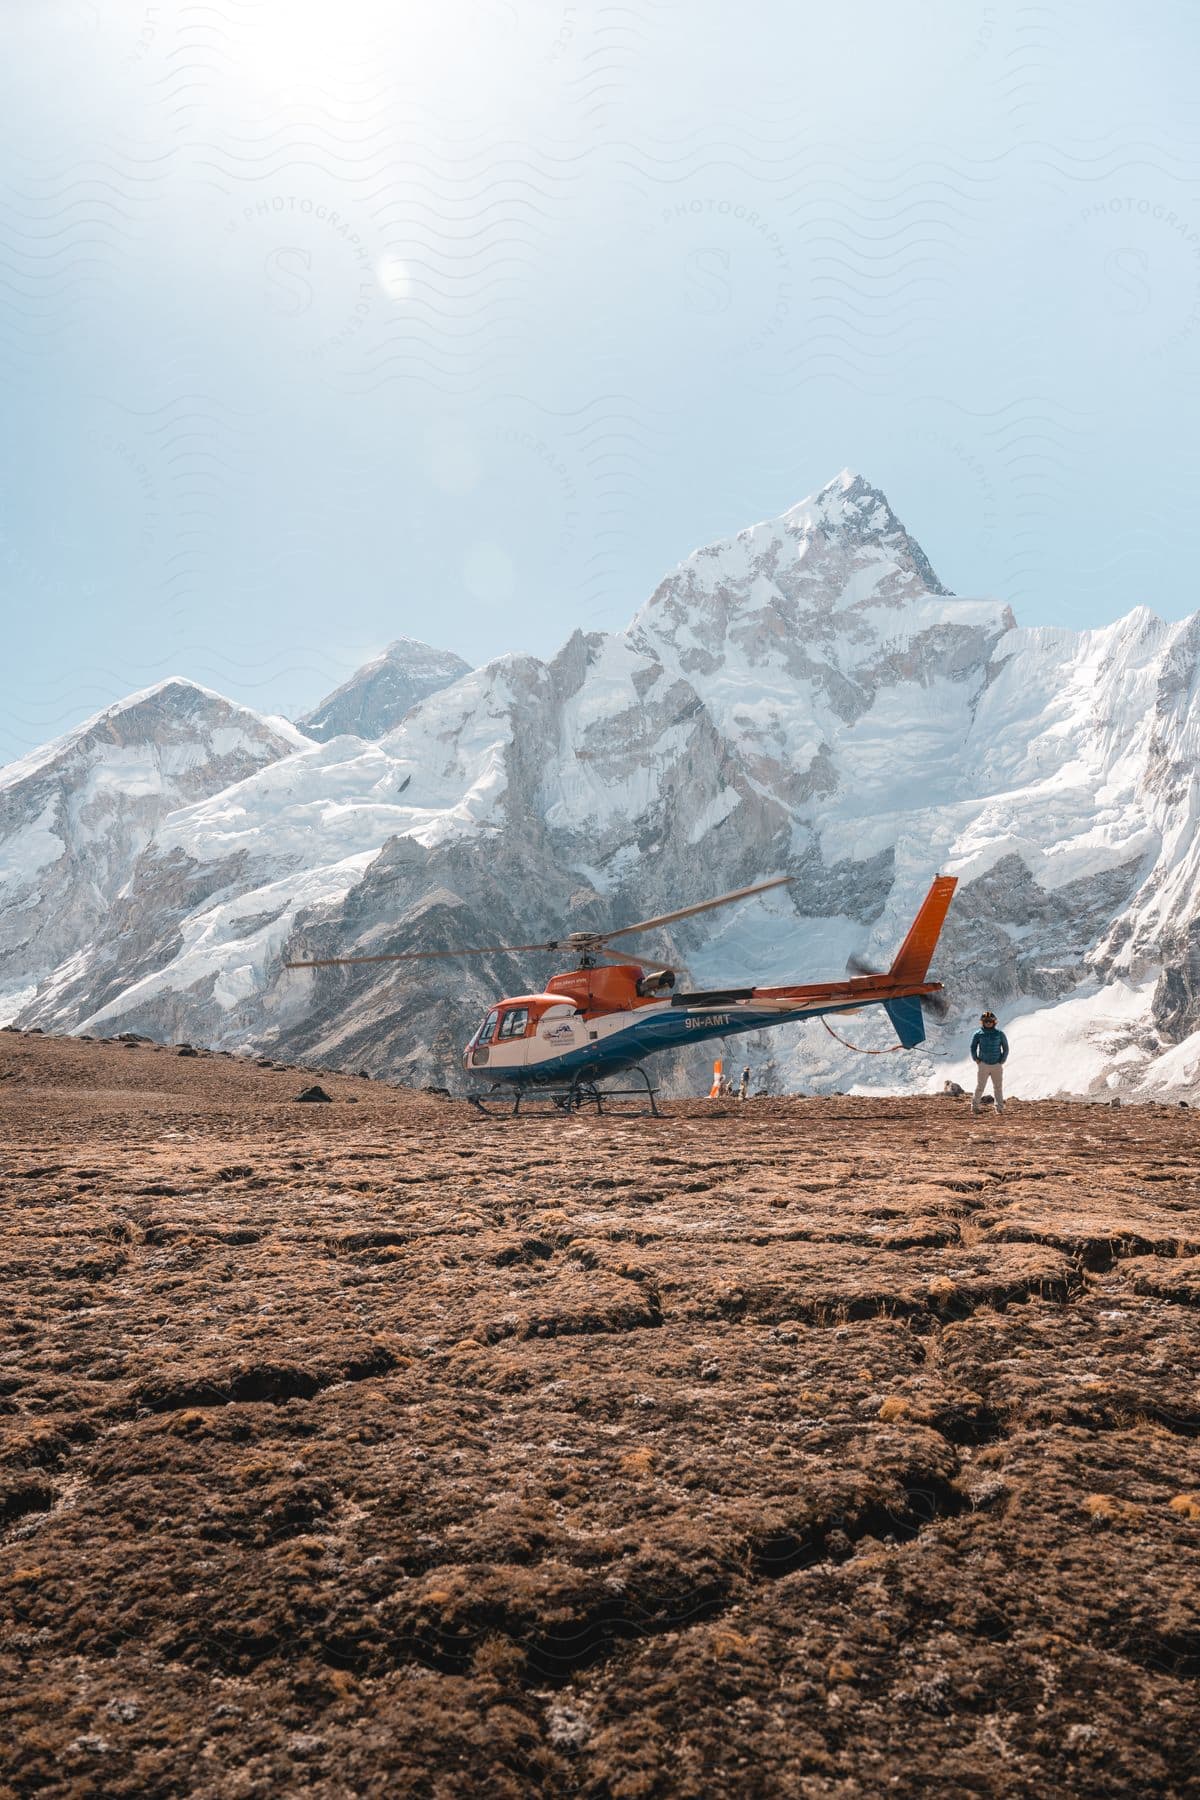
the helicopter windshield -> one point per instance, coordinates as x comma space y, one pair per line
488, 1029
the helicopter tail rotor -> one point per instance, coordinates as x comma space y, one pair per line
936, 1006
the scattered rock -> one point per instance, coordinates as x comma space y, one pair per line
315, 1092
567, 1727
954, 1090
187, 1050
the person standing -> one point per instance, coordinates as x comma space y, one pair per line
744, 1083
989, 1053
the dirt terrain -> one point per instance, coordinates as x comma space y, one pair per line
831, 1448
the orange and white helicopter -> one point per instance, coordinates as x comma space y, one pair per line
603, 1017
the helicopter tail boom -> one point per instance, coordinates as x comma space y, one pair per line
904, 991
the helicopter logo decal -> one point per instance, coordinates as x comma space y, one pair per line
563, 1033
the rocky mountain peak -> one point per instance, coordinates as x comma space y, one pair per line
76, 814
383, 691
166, 719
836, 577
849, 511
850, 492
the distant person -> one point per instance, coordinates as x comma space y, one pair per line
744, 1083
989, 1053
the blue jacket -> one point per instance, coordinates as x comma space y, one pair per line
989, 1046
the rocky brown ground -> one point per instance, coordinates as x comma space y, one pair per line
830, 1448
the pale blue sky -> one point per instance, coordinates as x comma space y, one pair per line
324, 323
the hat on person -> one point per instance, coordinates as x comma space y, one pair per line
989, 1018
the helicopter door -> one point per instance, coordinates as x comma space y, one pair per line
508, 1044
509, 1047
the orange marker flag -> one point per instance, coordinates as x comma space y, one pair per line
714, 1092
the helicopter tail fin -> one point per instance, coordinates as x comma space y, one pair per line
916, 952
908, 1020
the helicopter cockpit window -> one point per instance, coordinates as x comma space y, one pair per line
488, 1029
515, 1022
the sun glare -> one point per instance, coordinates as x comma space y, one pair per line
308, 41
394, 278
353, 48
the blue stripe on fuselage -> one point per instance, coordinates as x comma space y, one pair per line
667, 1030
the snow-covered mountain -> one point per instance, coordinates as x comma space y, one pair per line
378, 695
75, 815
803, 698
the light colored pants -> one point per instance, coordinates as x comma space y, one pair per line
985, 1072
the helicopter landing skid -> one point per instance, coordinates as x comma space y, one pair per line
572, 1097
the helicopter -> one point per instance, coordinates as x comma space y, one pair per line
605, 1016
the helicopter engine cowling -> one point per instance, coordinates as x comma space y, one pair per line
600, 990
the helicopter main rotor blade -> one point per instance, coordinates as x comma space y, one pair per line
338, 962
687, 912
593, 945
